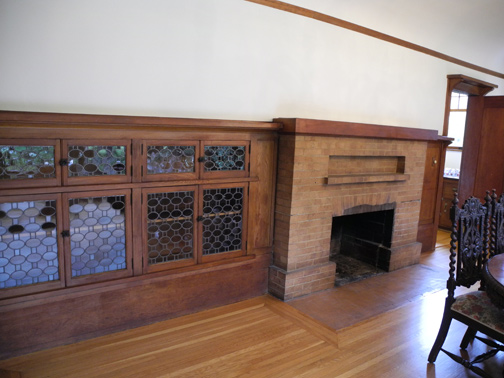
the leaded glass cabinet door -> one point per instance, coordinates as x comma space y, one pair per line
97, 236
27, 163
222, 159
95, 162
30, 249
222, 221
169, 232
169, 160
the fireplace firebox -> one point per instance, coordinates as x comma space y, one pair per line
361, 243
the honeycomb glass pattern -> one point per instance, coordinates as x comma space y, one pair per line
170, 226
224, 158
28, 245
97, 234
170, 159
26, 162
85, 161
222, 220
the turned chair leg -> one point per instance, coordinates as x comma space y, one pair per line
443, 331
468, 337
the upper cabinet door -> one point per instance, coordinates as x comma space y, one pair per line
94, 162
29, 162
223, 159
169, 160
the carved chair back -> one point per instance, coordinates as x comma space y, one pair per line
497, 225
469, 242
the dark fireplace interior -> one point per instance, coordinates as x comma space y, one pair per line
360, 244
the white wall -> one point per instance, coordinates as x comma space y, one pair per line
225, 59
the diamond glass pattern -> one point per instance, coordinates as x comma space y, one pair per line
222, 223
170, 226
170, 159
26, 162
28, 245
97, 234
96, 160
224, 158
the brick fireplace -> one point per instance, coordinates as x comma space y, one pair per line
332, 169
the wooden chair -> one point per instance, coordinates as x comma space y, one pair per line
497, 225
468, 253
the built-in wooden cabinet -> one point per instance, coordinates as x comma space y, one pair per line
450, 187
179, 225
90, 208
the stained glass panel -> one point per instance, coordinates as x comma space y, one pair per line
170, 226
170, 159
85, 161
224, 158
26, 162
222, 220
97, 234
28, 244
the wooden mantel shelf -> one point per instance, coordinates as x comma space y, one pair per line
349, 129
366, 178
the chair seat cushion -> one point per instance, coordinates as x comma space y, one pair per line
477, 306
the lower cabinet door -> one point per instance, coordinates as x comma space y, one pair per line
97, 236
30, 249
169, 219
222, 221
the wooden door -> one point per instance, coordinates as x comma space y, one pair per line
429, 209
482, 165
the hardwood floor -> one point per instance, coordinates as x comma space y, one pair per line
380, 327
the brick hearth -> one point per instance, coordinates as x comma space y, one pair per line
328, 169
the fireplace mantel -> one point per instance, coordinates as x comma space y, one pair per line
303, 126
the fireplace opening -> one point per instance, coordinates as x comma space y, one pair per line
360, 243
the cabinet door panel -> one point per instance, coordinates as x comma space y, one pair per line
222, 226
168, 232
98, 244
169, 160
27, 162
94, 162
224, 159
30, 250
